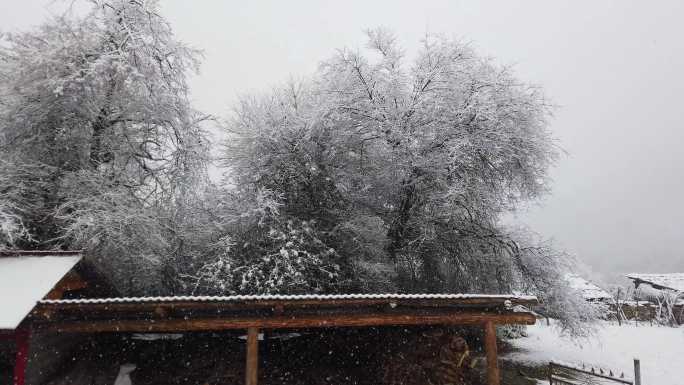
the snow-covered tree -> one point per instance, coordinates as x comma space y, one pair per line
408, 166
99, 136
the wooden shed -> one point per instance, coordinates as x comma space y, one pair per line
27, 277
662, 290
255, 313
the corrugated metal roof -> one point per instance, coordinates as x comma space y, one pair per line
296, 297
27, 278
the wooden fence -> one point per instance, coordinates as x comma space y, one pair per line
561, 374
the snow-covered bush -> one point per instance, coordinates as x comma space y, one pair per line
284, 256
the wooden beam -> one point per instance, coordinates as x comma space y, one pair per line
252, 364
71, 281
7, 335
21, 359
292, 321
493, 376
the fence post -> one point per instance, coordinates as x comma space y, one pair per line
618, 308
637, 372
550, 373
636, 314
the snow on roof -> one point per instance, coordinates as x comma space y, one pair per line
588, 289
297, 297
674, 281
25, 280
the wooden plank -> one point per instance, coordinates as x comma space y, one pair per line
252, 364
493, 376
162, 313
555, 380
71, 281
21, 359
288, 321
553, 365
7, 335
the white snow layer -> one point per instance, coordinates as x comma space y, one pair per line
659, 348
25, 280
588, 289
295, 297
674, 281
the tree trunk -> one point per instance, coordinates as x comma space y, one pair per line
98, 155
398, 229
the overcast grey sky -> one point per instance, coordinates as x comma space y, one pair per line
613, 67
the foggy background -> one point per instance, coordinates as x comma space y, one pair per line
614, 68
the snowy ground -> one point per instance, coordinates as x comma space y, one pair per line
660, 349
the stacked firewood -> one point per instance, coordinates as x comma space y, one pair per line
436, 357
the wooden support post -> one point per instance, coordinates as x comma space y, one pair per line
252, 367
490, 349
21, 337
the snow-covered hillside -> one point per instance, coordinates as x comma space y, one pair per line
660, 350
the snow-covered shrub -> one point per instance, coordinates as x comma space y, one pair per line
268, 254
289, 258
511, 331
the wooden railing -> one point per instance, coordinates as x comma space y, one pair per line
561, 374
